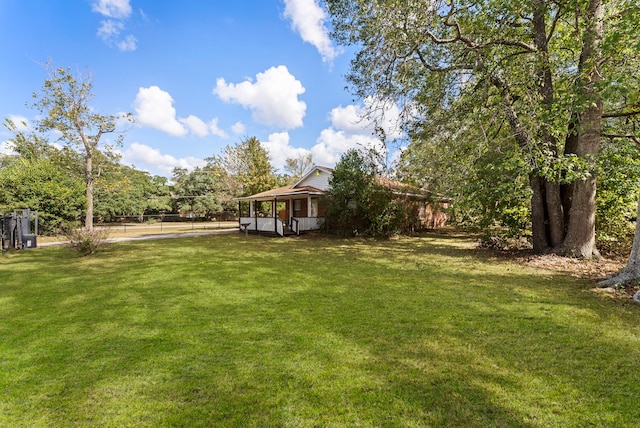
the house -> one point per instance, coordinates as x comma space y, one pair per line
290, 209
298, 208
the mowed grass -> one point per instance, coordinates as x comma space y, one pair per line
251, 331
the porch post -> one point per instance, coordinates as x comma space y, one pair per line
275, 214
308, 205
254, 212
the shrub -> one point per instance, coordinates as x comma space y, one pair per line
85, 242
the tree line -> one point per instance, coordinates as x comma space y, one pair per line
52, 181
80, 178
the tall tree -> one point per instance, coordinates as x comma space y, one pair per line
247, 166
64, 104
296, 167
544, 67
358, 203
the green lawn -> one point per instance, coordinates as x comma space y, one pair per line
251, 331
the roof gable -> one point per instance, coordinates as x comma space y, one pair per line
317, 177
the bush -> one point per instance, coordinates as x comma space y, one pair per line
85, 242
617, 198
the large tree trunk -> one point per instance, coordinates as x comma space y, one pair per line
631, 272
580, 238
554, 225
570, 147
555, 215
538, 215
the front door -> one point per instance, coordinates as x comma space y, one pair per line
283, 211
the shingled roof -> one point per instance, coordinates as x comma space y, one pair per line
284, 191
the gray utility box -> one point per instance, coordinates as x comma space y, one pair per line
29, 241
17, 232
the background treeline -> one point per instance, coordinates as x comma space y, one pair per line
50, 179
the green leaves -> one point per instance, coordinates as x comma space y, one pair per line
41, 184
357, 203
200, 191
122, 190
247, 166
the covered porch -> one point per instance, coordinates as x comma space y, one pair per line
283, 211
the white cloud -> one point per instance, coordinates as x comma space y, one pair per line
273, 98
196, 125
110, 29
353, 119
308, 19
141, 154
333, 143
386, 115
128, 44
351, 129
6, 148
113, 8
213, 128
21, 124
238, 128
279, 149
201, 129
154, 108
350, 119
117, 11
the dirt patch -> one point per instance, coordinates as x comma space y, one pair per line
592, 269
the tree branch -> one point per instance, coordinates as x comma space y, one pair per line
554, 24
459, 37
520, 134
622, 114
632, 137
434, 68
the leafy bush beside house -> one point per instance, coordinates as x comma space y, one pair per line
360, 202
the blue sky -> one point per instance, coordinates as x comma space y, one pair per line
197, 75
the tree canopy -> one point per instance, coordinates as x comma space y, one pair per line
247, 167
551, 77
38, 177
